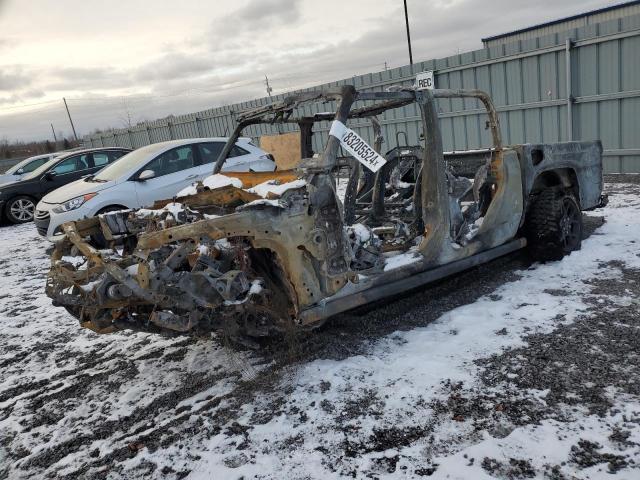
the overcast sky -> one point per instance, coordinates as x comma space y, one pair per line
148, 59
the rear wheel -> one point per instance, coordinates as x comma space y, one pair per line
20, 209
554, 225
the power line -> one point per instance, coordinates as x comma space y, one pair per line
51, 109
29, 105
192, 91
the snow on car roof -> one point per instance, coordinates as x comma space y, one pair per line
187, 141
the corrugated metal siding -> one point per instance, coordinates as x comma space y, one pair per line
544, 30
527, 80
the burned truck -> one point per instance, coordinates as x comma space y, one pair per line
300, 247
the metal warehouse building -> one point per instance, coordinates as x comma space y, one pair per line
573, 79
593, 17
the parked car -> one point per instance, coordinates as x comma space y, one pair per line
140, 178
28, 165
18, 200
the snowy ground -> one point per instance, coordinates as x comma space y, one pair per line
508, 371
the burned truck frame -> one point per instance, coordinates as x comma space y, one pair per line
230, 260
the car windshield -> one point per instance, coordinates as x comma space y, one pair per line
42, 169
128, 162
24, 162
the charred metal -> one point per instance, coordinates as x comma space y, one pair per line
230, 259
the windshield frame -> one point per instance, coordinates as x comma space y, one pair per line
129, 162
27, 161
282, 112
42, 169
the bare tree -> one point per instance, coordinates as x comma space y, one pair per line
60, 137
126, 118
5, 151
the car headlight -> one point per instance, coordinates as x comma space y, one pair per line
73, 203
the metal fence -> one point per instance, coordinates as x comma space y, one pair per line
583, 84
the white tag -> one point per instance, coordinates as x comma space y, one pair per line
424, 80
356, 146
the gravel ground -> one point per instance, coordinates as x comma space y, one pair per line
510, 370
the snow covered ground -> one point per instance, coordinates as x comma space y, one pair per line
508, 371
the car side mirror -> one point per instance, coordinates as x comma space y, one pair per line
146, 175
20, 171
49, 176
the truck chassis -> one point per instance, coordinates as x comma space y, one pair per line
251, 265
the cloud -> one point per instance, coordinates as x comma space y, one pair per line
13, 80
297, 44
26, 96
177, 65
64, 79
260, 13
255, 19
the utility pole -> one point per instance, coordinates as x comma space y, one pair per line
70, 121
386, 67
55, 139
269, 89
406, 19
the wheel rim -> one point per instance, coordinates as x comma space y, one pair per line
570, 224
22, 210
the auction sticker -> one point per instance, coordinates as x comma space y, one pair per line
356, 146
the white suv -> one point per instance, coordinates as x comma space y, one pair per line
140, 178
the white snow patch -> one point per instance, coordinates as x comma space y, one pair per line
261, 201
218, 180
256, 287
362, 232
173, 208
404, 369
397, 260
212, 182
186, 191
275, 188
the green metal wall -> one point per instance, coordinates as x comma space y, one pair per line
527, 80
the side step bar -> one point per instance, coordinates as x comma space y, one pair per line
341, 303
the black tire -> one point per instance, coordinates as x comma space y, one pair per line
553, 226
20, 209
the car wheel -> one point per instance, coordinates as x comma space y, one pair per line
554, 225
20, 209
